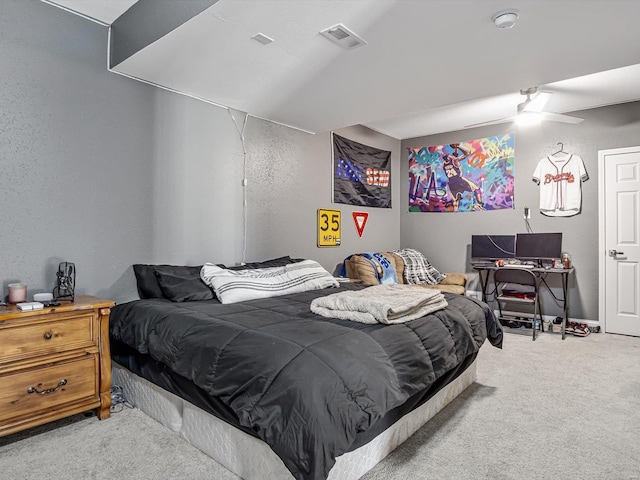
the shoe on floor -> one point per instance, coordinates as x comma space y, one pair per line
581, 330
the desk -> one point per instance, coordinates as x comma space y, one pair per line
484, 272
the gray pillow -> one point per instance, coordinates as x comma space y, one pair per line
148, 283
183, 288
274, 262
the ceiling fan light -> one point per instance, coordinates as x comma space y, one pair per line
538, 102
528, 118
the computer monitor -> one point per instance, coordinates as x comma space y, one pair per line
492, 247
538, 246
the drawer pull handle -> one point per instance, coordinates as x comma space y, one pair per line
47, 336
48, 390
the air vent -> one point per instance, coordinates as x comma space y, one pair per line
343, 36
262, 38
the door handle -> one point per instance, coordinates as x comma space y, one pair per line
614, 253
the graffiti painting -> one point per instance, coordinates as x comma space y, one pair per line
462, 177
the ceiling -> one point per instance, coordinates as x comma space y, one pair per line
429, 66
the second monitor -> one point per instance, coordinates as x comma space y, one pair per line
538, 246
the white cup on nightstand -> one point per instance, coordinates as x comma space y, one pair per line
17, 292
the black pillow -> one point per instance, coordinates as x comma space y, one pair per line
274, 262
148, 283
183, 288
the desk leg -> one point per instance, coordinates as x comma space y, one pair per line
540, 313
565, 306
484, 281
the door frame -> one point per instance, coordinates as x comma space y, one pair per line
602, 247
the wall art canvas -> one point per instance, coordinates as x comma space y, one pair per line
361, 174
462, 177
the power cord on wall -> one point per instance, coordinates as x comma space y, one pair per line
559, 301
244, 182
527, 215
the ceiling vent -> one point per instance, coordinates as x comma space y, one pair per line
343, 36
262, 38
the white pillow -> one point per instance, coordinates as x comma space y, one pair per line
233, 286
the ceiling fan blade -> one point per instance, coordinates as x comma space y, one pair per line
559, 117
537, 103
491, 122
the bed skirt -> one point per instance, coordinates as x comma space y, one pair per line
251, 458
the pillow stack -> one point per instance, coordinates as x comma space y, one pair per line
232, 286
181, 283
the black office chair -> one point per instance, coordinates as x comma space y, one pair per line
509, 282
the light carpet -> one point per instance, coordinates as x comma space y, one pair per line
548, 409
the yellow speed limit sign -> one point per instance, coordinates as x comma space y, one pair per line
329, 228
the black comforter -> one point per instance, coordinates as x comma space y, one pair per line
304, 383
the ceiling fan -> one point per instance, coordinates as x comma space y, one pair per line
532, 111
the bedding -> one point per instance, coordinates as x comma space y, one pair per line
148, 276
250, 284
309, 386
183, 288
380, 304
369, 272
274, 262
147, 281
417, 268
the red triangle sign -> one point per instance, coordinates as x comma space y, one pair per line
360, 219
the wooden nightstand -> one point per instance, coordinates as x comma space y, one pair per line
54, 362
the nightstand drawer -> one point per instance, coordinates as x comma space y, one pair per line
48, 387
39, 338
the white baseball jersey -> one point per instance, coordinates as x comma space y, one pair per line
560, 179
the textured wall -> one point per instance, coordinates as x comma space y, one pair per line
290, 178
196, 174
196, 177
74, 151
446, 237
104, 171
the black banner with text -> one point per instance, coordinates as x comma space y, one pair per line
362, 174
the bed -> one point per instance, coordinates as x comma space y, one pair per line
272, 390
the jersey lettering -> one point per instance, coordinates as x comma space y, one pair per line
561, 177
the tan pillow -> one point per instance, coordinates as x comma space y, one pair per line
359, 268
455, 279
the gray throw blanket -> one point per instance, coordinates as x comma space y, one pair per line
389, 303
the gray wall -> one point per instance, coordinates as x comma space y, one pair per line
290, 178
105, 171
74, 148
196, 177
446, 237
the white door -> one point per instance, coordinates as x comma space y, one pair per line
619, 172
